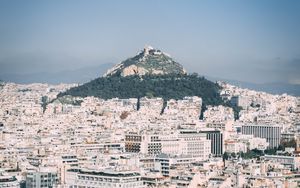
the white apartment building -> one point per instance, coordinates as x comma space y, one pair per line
242, 101
188, 107
183, 142
195, 144
41, 179
9, 182
85, 178
163, 162
243, 143
153, 105
290, 161
272, 133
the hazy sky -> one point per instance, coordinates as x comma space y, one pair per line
256, 41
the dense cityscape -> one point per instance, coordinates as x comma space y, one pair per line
86, 102
131, 143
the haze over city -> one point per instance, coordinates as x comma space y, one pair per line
254, 41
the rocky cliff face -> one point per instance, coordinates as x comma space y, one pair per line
148, 61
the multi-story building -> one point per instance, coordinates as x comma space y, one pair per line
41, 179
292, 162
288, 136
217, 141
92, 148
188, 107
133, 142
85, 178
194, 143
272, 133
153, 105
9, 182
186, 142
241, 101
163, 162
1, 132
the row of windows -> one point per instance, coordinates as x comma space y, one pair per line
115, 180
90, 185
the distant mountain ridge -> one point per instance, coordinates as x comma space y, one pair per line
148, 61
272, 88
81, 75
150, 73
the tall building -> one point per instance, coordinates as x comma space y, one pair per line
217, 141
1, 132
272, 133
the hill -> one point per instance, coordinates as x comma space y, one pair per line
165, 86
151, 73
170, 86
148, 61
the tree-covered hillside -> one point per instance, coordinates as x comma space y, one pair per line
165, 86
